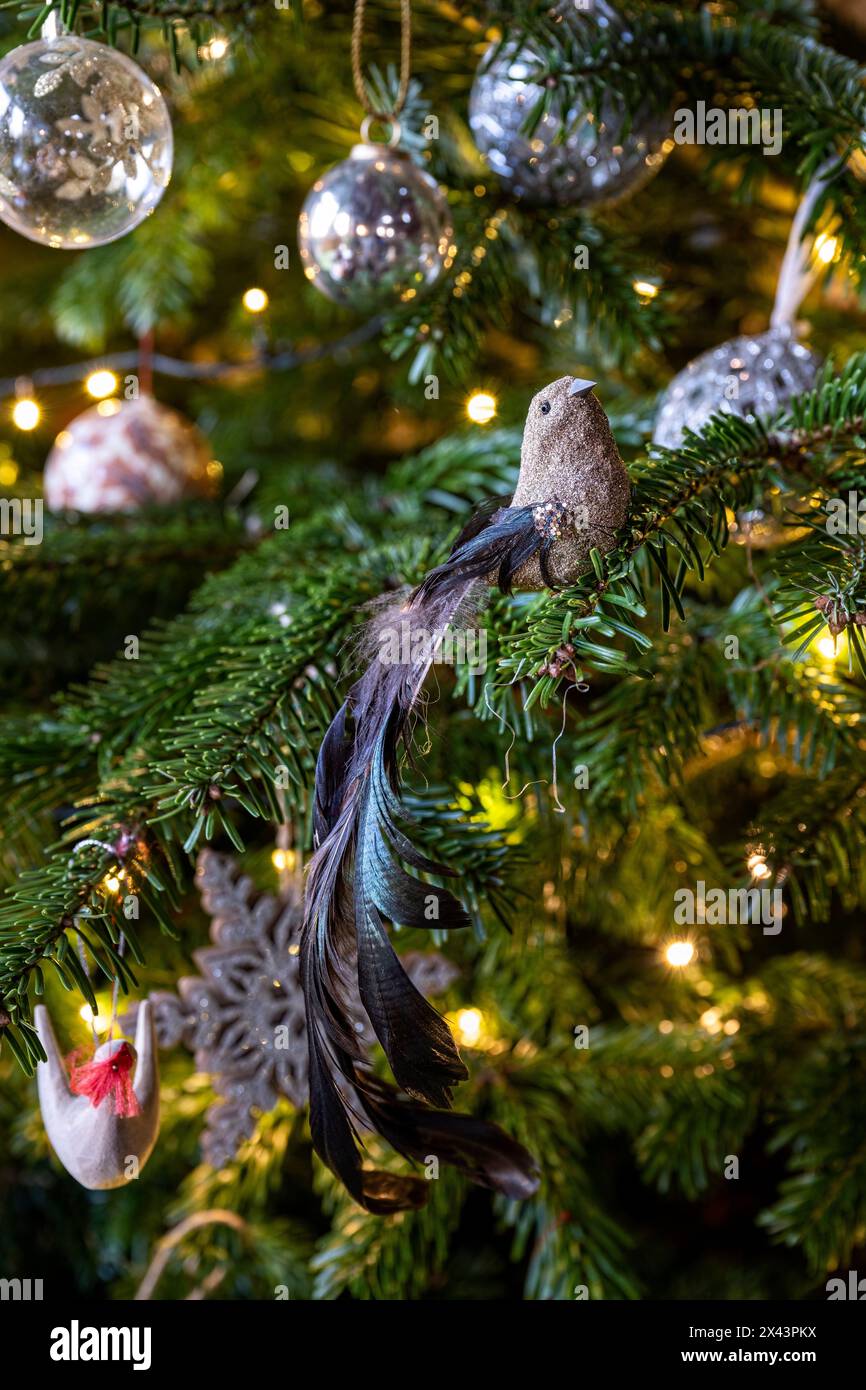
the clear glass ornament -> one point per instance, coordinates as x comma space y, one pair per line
749, 376
375, 230
85, 142
598, 160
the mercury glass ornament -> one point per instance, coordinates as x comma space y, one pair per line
85, 142
747, 376
120, 456
573, 157
375, 230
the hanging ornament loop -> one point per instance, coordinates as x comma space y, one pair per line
800, 266
393, 125
405, 59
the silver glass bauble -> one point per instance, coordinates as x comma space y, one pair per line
85, 142
375, 231
574, 157
749, 376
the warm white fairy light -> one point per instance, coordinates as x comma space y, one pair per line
26, 413
645, 289
101, 383
826, 247
255, 300
469, 1024
758, 866
100, 1023
481, 407
827, 648
679, 953
215, 49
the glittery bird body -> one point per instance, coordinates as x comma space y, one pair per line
572, 494
569, 453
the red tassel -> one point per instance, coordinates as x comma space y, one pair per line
109, 1077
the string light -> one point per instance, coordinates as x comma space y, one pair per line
112, 882
757, 865
26, 413
101, 383
481, 407
645, 289
469, 1024
255, 301
100, 1023
679, 953
827, 648
283, 859
826, 247
217, 48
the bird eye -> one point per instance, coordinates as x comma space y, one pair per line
545, 407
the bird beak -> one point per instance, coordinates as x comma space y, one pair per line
580, 388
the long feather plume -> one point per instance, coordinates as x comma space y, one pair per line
360, 879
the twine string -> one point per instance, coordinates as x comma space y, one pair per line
405, 58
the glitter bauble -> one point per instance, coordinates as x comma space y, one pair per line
123, 455
747, 376
600, 157
374, 231
85, 142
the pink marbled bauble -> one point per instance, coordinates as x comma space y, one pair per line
122, 455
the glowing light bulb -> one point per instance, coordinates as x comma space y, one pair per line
217, 48
101, 383
481, 407
26, 413
645, 288
827, 648
100, 1023
679, 953
758, 866
255, 300
283, 859
469, 1023
826, 247
111, 882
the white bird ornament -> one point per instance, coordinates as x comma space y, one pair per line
102, 1120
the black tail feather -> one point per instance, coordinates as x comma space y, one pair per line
496, 553
358, 880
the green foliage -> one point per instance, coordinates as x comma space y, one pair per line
690, 725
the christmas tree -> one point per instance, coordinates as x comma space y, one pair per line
243, 403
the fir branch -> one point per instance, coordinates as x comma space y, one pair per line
812, 832
678, 517
385, 1260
